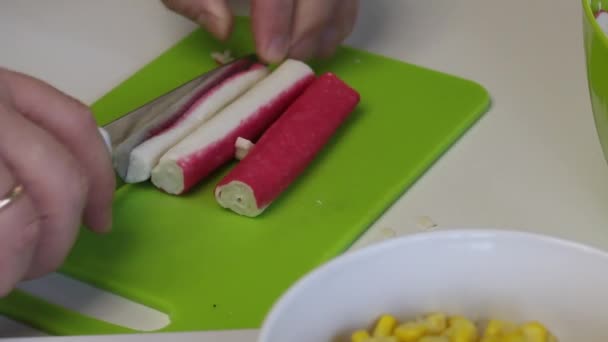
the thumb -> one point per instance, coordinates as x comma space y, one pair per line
214, 15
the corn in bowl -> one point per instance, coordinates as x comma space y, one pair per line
440, 327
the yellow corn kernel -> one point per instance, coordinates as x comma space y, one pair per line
515, 336
461, 330
434, 339
453, 320
410, 331
436, 323
496, 328
385, 326
534, 332
491, 339
382, 339
360, 336
460, 336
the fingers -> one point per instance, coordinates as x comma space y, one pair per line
339, 28
54, 181
72, 124
301, 29
213, 15
272, 28
19, 231
311, 19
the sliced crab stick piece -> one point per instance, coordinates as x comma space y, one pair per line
213, 144
287, 147
146, 155
243, 146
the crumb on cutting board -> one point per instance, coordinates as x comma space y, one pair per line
222, 57
425, 222
388, 232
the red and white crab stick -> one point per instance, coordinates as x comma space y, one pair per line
287, 147
146, 155
213, 144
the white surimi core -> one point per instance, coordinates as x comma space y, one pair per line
602, 20
146, 155
281, 79
238, 197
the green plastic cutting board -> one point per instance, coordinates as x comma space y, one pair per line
211, 269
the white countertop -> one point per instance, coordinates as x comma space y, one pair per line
532, 163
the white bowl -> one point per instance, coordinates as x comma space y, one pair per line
478, 273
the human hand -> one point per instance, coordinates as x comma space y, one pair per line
300, 29
49, 144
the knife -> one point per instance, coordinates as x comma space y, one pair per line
123, 134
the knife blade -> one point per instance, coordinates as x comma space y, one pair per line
123, 134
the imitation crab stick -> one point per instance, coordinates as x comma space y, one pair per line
213, 144
146, 155
164, 112
287, 147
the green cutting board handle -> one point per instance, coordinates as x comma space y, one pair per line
53, 319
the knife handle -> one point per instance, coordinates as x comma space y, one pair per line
106, 138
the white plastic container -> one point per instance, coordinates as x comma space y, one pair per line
478, 273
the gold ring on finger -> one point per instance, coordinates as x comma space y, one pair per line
11, 196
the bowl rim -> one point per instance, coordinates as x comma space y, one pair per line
377, 248
593, 22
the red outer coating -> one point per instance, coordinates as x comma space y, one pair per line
199, 165
292, 142
199, 99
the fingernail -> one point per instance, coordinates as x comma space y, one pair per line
276, 49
